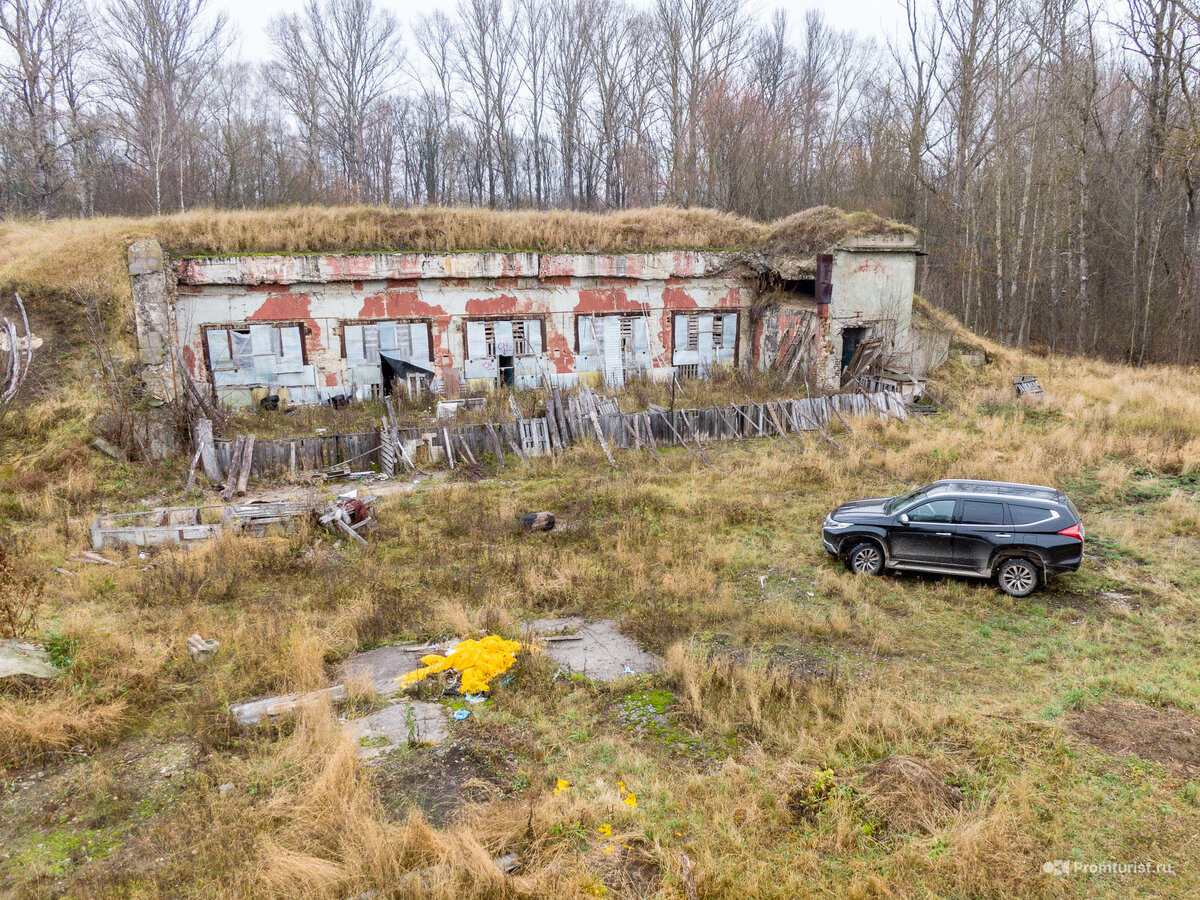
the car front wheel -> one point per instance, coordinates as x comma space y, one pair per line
1018, 577
865, 559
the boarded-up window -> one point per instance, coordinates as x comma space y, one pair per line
362, 342
614, 344
704, 338
264, 348
503, 337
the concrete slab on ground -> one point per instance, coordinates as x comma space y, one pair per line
398, 725
596, 649
28, 660
384, 665
254, 711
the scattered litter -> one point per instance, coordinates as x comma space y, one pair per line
350, 516
29, 660
201, 650
561, 785
448, 409
461, 714
476, 698
477, 661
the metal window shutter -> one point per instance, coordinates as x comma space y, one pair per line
587, 341
264, 353
219, 357
681, 335
291, 350
353, 335
614, 368
503, 333
387, 335
476, 340
418, 333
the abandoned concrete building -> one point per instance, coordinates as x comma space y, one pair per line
310, 328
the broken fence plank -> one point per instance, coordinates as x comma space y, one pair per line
231, 472
247, 461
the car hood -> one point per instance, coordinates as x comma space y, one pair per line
861, 509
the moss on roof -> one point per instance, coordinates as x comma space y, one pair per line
820, 228
66, 258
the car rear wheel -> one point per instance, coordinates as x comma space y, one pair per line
1018, 577
865, 558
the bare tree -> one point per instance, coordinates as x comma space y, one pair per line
46, 39
342, 57
160, 56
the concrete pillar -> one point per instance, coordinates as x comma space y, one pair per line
152, 316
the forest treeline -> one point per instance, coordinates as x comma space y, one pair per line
1048, 150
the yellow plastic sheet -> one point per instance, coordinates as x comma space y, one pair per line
479, 662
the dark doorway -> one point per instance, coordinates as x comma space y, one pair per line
506, 370
851, 338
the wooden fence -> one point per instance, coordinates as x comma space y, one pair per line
362, 451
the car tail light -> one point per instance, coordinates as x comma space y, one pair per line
1075, 531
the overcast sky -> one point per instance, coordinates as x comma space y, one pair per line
874, 18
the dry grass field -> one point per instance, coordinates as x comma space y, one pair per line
811, 733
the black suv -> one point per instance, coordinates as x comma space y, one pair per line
1020, 534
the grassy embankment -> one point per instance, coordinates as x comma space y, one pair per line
780, 667
810, 733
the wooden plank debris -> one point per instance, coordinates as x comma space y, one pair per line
1026, 384
191, 479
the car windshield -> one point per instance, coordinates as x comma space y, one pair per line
903, 500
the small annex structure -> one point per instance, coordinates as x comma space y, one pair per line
313, 327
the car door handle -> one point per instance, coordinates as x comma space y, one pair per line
943, 534
1003, 534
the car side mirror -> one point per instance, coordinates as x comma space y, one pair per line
903, 518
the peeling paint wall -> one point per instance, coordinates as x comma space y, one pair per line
468, 314
872, 289
311, 327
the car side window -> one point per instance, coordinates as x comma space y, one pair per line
933, 511
1028, 515
982, 512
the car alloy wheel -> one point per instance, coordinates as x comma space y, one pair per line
866, 559
1018, 577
